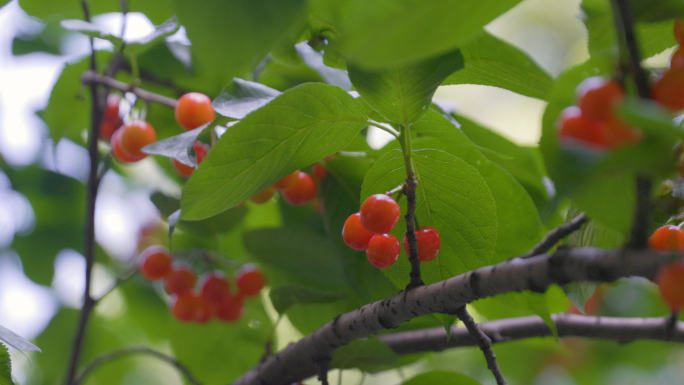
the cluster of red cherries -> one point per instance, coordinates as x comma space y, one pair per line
213, 297
297, 188
670, 278
593, 122
368, 230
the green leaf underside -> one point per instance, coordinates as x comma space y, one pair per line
441, 378
175, 147
369, 355
284, 297
241, 97
491, 61
425, 28
161, 32
298, 128
451, 197
402, 93
16, 341
5, 366
90, 29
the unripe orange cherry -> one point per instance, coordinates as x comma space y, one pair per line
286, 182
302, 191
383, 250
428, 244
668, 90
183, 170
575, 129
181, 280
135, 136
193, 110
379, 214
598, 97
154, 263
354, 234
250, 280
263, 196
667, 238
670, 281
117, 153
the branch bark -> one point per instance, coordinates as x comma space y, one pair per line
620, 330
554, 236
92, 77
296, 361
483, 341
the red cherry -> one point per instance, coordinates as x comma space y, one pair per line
577, 130
250, 280
677, 59
231, 310
185, 307
112, 107
428, 244
215, 288
263, 196
183, 170
383, 250
319, 171
670, 281
111, 120
668, 90
181, 280
616, 133
135, 136
118, 153
204, 312
679, 31
154, 263
193, 110
379, 214
354, 234
286, 182
201, 150
667, 238
303, 190
598, 97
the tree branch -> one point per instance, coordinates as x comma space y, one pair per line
630, 61
616, 329
483, 341
135, 350
295, 362
410, 217
97, 106
91, 78
554, 236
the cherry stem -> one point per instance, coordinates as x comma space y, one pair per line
395, 190
483, 341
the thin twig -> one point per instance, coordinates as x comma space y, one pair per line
483, 342
91, 77
136, 350
555, 235
323, 365
97, 105
630, 61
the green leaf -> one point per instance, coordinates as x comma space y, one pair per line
284, 297
402, 93
67, 9
314, 60
538, 304
369, 355
299, 253
241, 97
68, 111
609, 200
656, 10
92, 30
453, 198
652, 38
16, 341
580, 292
230, 37
161, 32
387, 31
441, 378
490, 61
5, 366
298, 128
